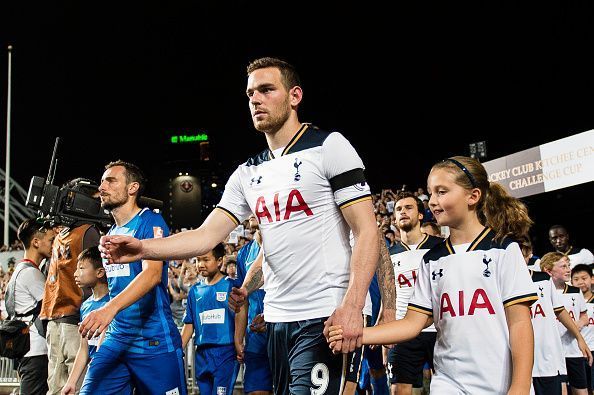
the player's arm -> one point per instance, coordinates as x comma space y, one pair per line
393, 332
521, 340
387, 283
80, 362
241, 318
254, 279
125, 249
98, 320
186, 334
364, 260
565, 319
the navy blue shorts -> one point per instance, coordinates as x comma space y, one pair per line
407, 359
300, 359
117, 371
547, 385
257, 375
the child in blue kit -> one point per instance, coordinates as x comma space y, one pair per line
213, 324
89, 273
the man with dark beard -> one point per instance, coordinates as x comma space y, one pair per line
307, 190
406, 360
142, 338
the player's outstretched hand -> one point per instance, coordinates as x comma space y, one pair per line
120, 249
351, 320
237, 298
258, 324
96, 322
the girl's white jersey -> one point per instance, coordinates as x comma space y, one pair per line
466, 292
549, 356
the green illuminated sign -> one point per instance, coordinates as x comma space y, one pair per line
184, 138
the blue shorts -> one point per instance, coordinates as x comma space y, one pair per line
117, 371
216, 369
257, 375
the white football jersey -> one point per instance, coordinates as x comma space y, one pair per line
579, 256
297, 197
549, 356
406, 260
574, 303
466, 293
588, 331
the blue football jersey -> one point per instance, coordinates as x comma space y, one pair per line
254, 342
146, 326
87, 306
208, 310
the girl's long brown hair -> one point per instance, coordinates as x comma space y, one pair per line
503, 213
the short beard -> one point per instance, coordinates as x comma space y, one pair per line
110, 206
274, 124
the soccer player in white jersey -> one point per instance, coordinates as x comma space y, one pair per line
581, 277
549, 356
406, 359
557, 266
559, 238
307, 191
474, 286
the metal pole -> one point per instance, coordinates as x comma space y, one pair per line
7, 168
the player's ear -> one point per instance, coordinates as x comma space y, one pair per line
100, 272
133, 188
295, 95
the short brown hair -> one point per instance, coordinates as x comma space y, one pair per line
288, 72
549, 259
133, 174
406, 194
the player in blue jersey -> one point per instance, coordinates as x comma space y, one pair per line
213, 324
257, 379
89, 274
141, 337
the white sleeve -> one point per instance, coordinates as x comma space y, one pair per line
587, 256
421, 299
515, 282
344, 169
233, 202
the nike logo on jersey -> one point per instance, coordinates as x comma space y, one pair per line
294, 204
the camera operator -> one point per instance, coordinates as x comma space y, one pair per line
62, 297
25, 290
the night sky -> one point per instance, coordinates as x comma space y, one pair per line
408, 86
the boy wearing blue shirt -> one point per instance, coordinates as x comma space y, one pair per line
89, 274
213, 324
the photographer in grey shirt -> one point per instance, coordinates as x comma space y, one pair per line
24, 294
